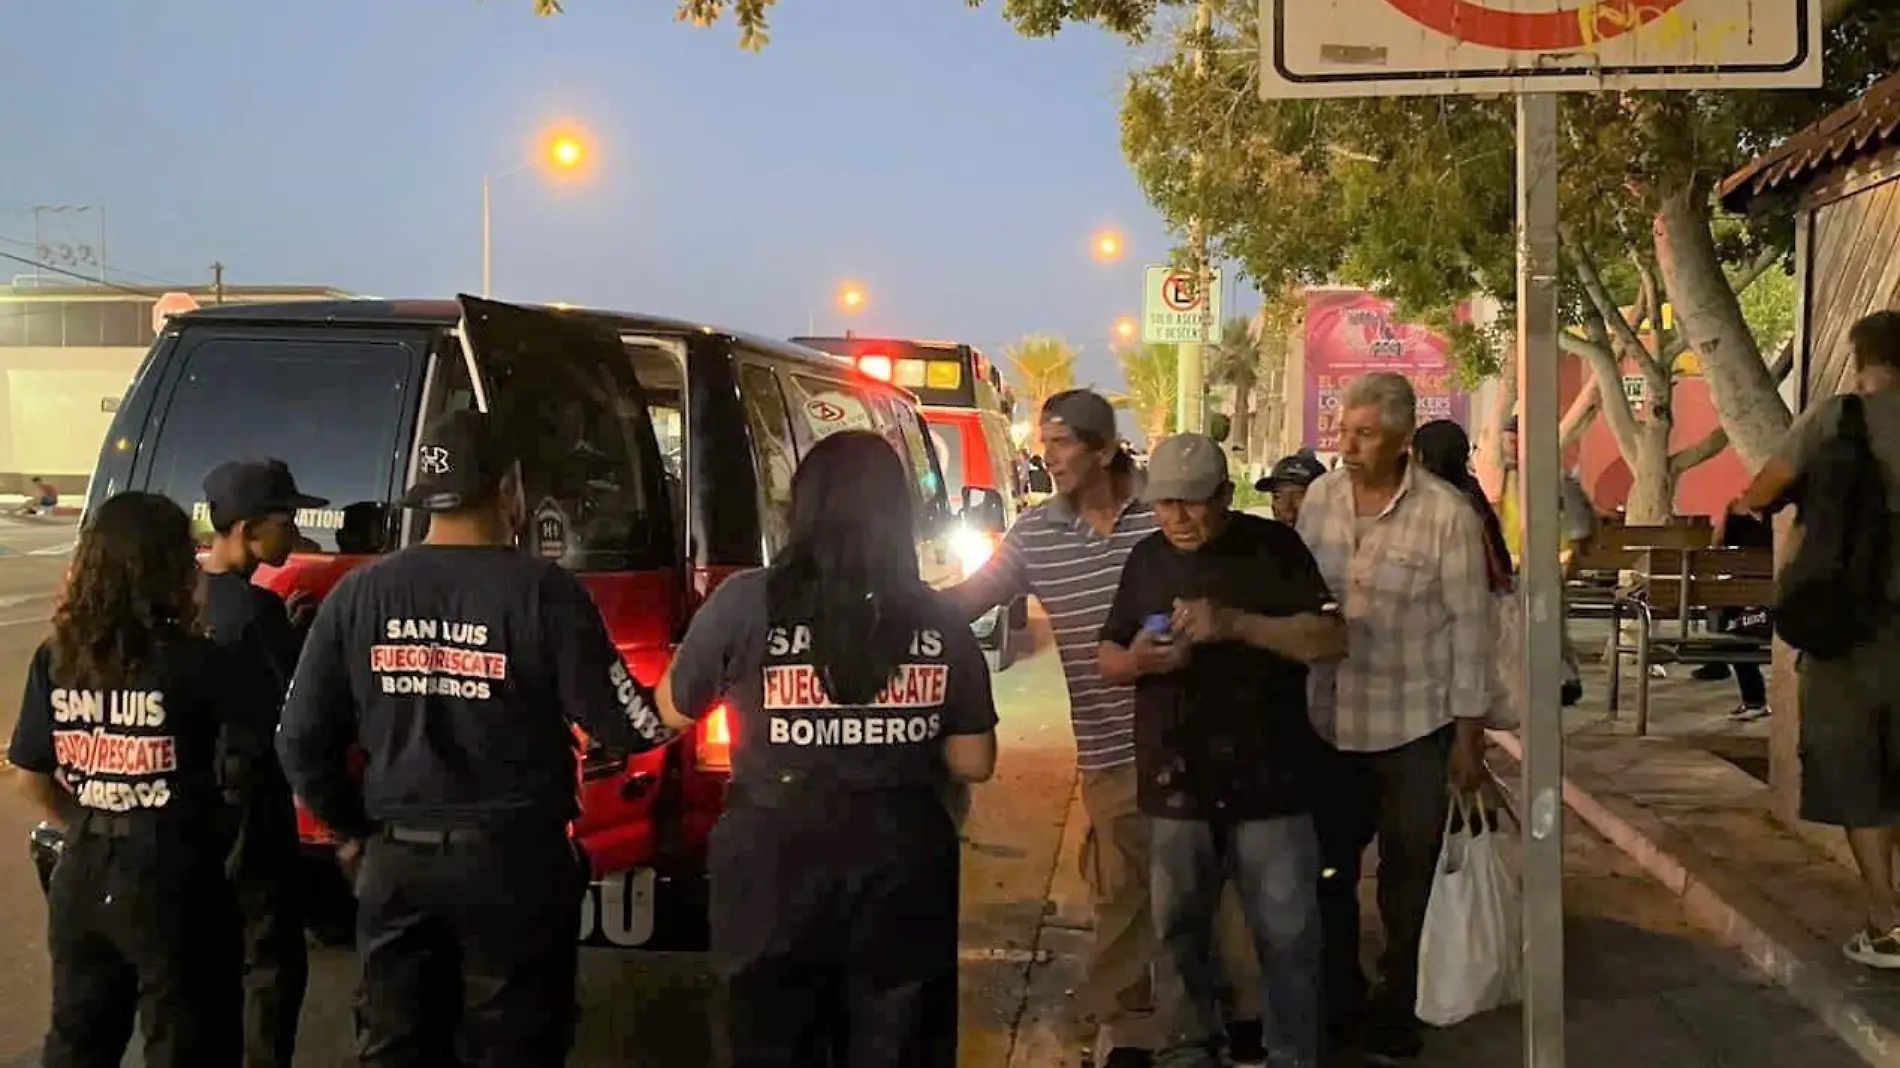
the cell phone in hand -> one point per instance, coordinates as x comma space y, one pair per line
1159, 628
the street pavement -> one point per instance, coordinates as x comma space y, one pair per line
1645, 986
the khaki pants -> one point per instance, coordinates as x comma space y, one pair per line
1118, 986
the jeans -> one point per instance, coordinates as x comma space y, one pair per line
1274, 864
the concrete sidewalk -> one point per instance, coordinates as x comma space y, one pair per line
1689, 804
1646, 985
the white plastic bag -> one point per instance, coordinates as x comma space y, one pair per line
1471, 958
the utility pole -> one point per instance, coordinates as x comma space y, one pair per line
217, 283
1190, 379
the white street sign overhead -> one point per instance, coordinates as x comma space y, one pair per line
1335, 48
1173, 313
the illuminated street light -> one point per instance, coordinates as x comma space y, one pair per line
1125, 329
565, 152
1108, 246
851, 297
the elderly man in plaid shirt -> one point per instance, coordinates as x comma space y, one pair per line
1405, 711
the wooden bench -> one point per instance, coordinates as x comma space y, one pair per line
1685, 586
1591, 586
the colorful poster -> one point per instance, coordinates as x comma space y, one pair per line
1350, 332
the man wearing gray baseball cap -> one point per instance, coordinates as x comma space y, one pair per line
1214, 623
1068, 552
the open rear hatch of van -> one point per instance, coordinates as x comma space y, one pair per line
562, 384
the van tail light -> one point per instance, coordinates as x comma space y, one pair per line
714, 751
878, 367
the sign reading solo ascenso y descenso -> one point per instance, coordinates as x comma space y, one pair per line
1332, 48
1173, 311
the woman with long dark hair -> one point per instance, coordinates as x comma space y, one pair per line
116, 742
1442, 447
855, 699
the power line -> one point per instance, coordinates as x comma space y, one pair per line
17, 243
39, 266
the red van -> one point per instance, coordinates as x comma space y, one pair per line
968, 407
657, 457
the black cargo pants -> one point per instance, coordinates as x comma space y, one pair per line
1399, 797
834, 930
136, 929
276, 958
467, 945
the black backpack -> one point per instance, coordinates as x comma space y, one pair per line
1832, 595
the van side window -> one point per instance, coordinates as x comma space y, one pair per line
332, 408
774, 455
923, 459
663, 381
828, 407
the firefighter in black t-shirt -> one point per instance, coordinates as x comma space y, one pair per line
254, 506
856, 698
118, 730
459, 667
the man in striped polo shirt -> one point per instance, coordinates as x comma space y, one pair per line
1069, 552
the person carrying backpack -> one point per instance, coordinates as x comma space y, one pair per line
1840, 467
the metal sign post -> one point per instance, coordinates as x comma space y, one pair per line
1542, 793
1360, 48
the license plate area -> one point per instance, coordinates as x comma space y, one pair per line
617, 911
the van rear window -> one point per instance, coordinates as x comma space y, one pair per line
331, 407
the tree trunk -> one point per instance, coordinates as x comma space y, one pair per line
1710, 318
1491, 432
1652, 498
1242, 418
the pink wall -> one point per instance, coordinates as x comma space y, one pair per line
1704, 490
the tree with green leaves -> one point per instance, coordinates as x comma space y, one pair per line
1413, 197
1150, 387
1042, 366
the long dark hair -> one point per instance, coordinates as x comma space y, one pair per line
134, 583
1442, 448
849, 566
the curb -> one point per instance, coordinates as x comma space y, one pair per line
1783, 952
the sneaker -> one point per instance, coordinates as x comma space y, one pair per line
1246, 1044
1875, 949
1710, 673
1748, 713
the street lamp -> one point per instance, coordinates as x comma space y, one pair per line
1125, 329
1108, 246
564, 152
851, 297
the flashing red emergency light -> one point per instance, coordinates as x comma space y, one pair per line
876, 365
715, 740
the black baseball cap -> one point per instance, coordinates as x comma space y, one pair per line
1299, 469
1086, 412
252, 489
460, 461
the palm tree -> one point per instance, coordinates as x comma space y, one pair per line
1234, 361
1149, 371
1043, 366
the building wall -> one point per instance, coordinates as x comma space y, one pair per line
56, 405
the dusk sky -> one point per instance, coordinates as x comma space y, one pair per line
924, 149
